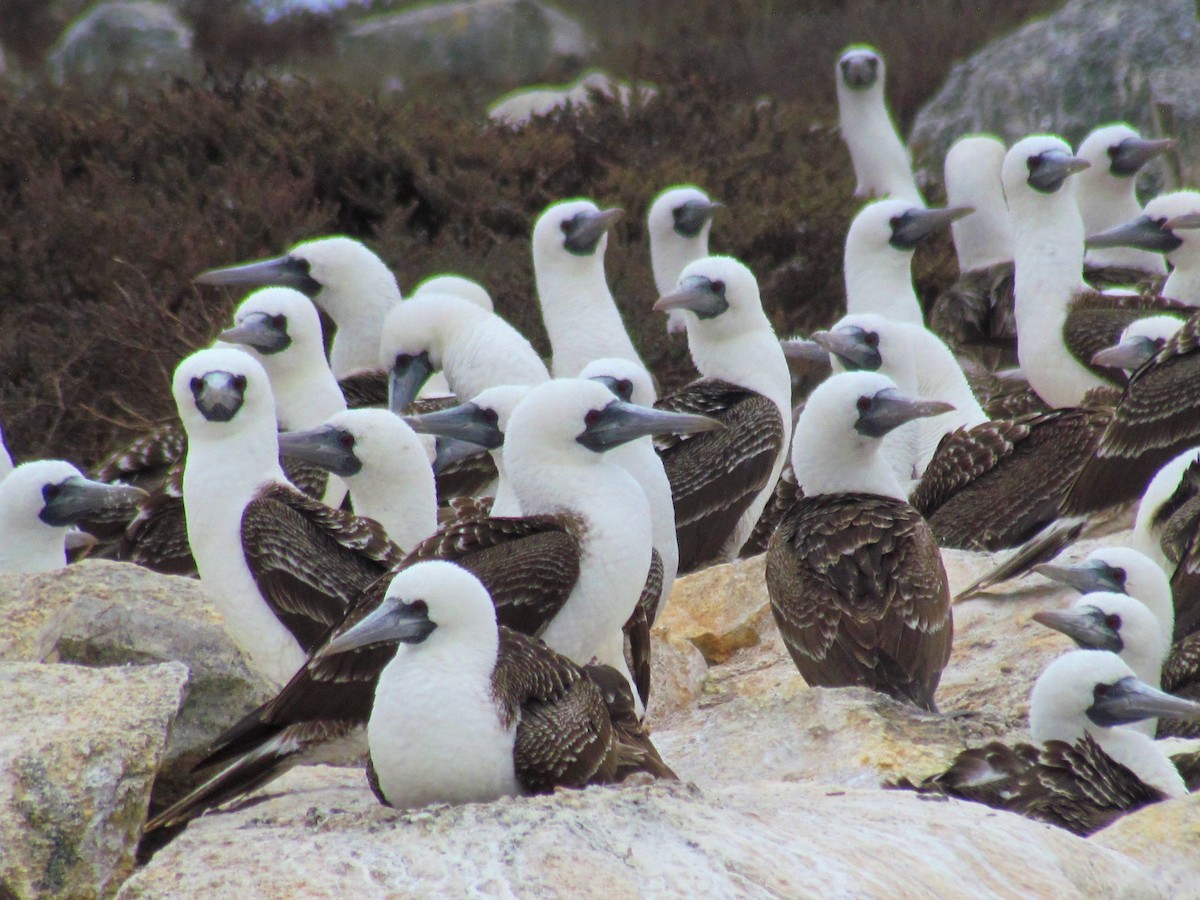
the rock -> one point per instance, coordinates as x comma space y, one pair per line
100, 613
1163, 838
130, 44
721, 609
78, 752
496, 40
677, 673
1093, 62
324, 835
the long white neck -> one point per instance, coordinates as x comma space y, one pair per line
615, 544
27, 547
1137, 752
850, 466
486, 351
639, 459
939, 377
1183, 284
1048, 239
306, 395
984, 238
579, 312
881, 282
506, 503
359, 310
403, 501
881, 162
668, 257
752, 359
1146, 535
1106, 202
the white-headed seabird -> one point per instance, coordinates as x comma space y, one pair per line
1139, 343
1088, 771
882, 166
879, 252
1167, 530
679, 221
580, 315
722, 480
975, 314
281, 567
40, 502
343, 278
855, 577
1107, 197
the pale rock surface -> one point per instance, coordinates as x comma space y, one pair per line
1164, 838
79, 749
324, 836
101, 613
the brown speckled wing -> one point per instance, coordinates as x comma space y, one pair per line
1096, 321
1181, 677
860, 595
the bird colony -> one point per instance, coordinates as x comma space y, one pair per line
448, 552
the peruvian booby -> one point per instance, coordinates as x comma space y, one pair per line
975, 314
1139, 343
40, 502
678, 223
1120, 624
855, 578
281, 567
879, 252
721, 481
1088, 771
882, 166
1061, 322
384, 464
469, 712
343, 278
456, 286
1107, 197
1168, 225
580, 315
474, 348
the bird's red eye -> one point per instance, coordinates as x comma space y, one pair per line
864, 404
279, 321
592, 418
1113, 621
420, 607
197, 385
239, 382
346, 440
491, 417
871, 338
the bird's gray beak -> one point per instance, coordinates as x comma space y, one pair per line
1084, 577
1131, 700
449, 452
701, 295
851, 346
1143, 233
327, 446
1182, 223
620, 422
283, 271
583, 232
800, 350
1132, 353
394, 620
1087, 627
1131, 154
76, 498
622, 388
691, 217
1048, 171
465, 422
890, 409
918, 223
263, 332
219, 395
408, 375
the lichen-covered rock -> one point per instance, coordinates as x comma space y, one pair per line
127, 42
1164, 839
324, 835
1093, 62
720, 610
78, 752
100, 613
500, 40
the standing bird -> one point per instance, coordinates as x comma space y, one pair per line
882, 166
343, 278
468, 712
40, 502
879, 252
720, 481
281, 567
1107, 197
975, 314
678, 223
581, 317
855, 577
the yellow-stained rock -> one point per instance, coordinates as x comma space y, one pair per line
1165, 838
720, 610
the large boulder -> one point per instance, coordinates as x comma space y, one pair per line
492, 40
1164, 838
79, 749
129, 44
324, 835
1093, 62
100, 613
